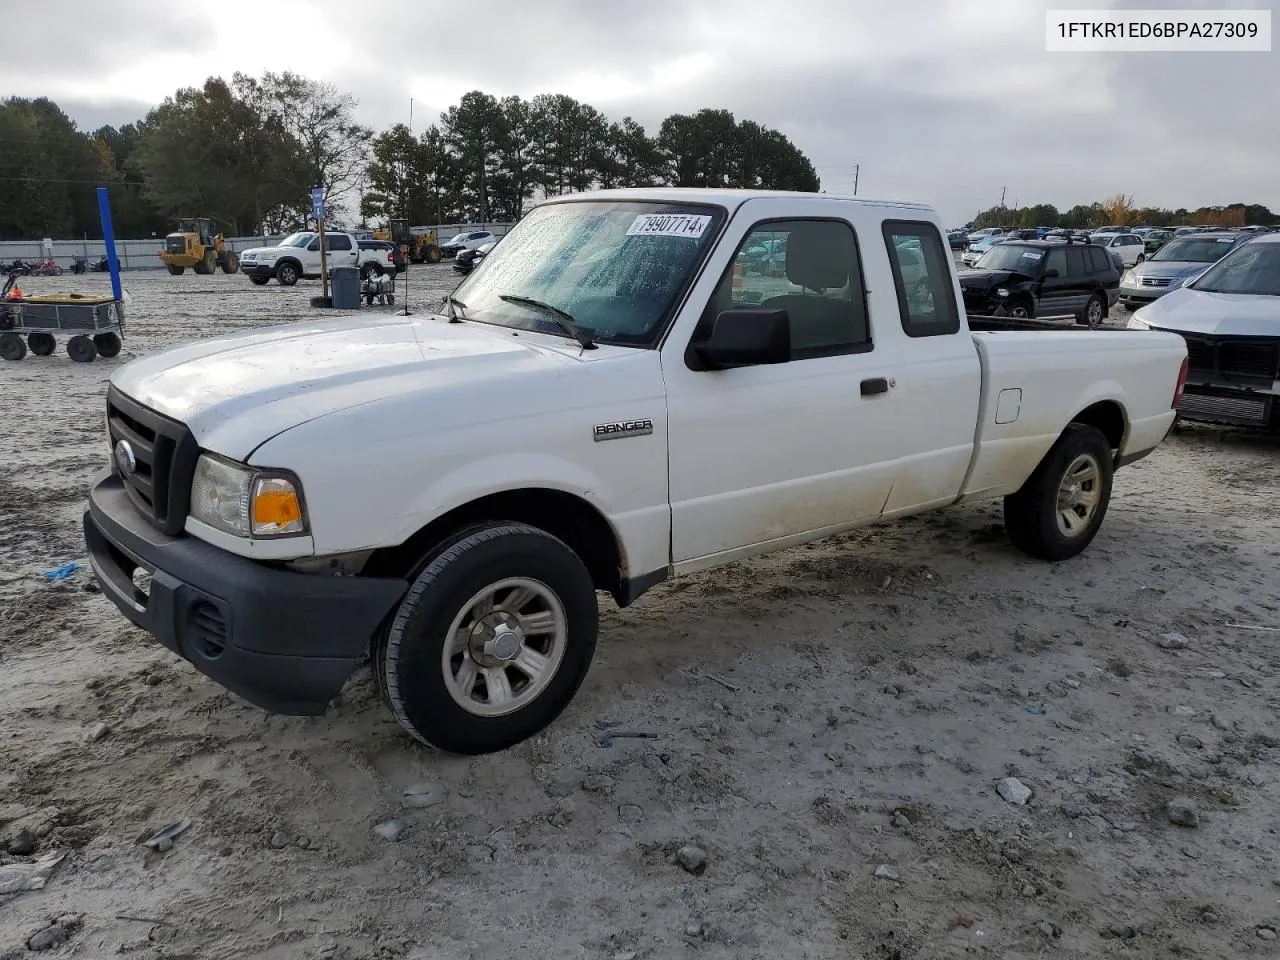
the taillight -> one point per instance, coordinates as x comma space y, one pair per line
1182, 382
391, 257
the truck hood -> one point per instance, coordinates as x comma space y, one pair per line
1222, 314
236, 392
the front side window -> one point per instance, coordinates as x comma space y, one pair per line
922, 278
811, 269
617, 269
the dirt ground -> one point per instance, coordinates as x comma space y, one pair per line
828, 725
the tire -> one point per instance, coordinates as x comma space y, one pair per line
41, 344
369, 271
1141, 258
1035, 516
259, 281
56, 271
391, 299
230, 262
208, 264
81, 349
174, 270
287, 273
107, 344
433, 254
499, 561
1021, 310
368, 299
1094, 313
11, 347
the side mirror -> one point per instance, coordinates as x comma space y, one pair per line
747, 337
1051, 273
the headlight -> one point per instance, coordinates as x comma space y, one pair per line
1187, 281
1137, 323
244, 501
1128, 277
1002, 292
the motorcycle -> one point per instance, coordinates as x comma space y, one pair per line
19, 268
46, 268
79, 264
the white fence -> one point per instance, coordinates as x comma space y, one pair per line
144, 254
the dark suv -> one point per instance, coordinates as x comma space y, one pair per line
1038, 278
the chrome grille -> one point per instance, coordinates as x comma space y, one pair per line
1155, 281
164, 456
1239, 410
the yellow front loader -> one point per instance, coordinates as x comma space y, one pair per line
194, 244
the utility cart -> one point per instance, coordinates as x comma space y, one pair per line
93, 325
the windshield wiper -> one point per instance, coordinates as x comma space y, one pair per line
565, 320
456, 308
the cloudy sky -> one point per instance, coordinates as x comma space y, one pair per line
935, 100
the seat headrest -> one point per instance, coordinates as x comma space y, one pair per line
819, 256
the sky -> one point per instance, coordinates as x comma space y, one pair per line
939, 101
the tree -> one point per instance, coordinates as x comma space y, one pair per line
320, 119
208, 152
473, 132
1117, 209
395, 176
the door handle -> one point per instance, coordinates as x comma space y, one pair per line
873, 386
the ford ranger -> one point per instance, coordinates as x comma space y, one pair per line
614, 400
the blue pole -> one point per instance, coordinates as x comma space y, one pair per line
109, 237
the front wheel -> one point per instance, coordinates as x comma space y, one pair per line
1020, 310
230, 262
175, 270
259, 281
1059, 509
287, 274
492, 641
11, 347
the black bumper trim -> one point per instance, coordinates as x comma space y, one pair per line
286, 642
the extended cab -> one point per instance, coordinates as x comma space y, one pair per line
612, 401
297, 257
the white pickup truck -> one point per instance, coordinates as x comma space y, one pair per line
297, 257
623, 394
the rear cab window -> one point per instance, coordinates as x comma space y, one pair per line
922, 278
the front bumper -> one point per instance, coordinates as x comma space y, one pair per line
284, 641
257, 269
1209, 402
1133, 296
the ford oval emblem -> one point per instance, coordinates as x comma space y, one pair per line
124, 457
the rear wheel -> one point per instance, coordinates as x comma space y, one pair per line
1059, 509
433, 254
107, 344
12, 347
230, 262
369, 271
1141, 257
1094, 312
492, 641
175, 270
207, 264
41, 344
81, 349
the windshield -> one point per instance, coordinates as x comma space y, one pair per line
458, 238
616, 267
1252, 268
1012, 256
296, 240
1194, 249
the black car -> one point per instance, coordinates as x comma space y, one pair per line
466, 260
1038, 278
958, 239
